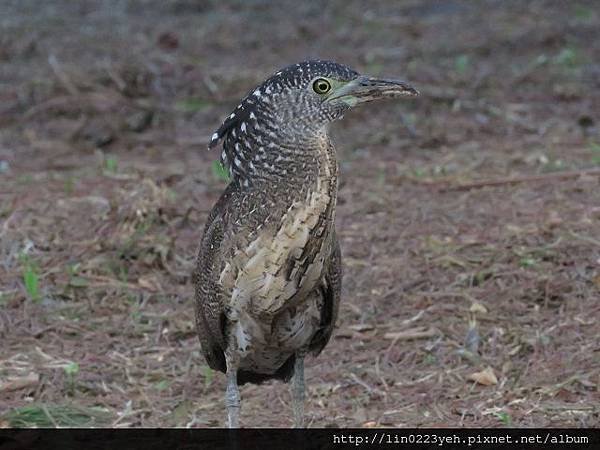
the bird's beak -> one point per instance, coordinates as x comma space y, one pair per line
365, 89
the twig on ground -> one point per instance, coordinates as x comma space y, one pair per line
20, 383
370, 389
516, 180
588, 239
62, 76
413, 333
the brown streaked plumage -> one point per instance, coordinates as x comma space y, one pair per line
268, 276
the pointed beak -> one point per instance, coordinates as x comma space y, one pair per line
366, 89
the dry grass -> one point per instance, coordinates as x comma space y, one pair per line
464, 304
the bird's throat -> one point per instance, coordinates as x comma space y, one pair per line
288, 166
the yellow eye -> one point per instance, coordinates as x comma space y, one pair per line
321, 86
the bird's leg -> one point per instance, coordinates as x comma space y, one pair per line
232, 394
298, 389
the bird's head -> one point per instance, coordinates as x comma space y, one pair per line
295, 104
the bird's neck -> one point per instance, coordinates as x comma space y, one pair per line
299, 162
292, 164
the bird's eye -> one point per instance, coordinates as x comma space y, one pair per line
321, 86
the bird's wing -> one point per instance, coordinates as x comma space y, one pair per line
209, 309
331, 289
220, 207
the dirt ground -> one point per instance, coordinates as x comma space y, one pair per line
469, 299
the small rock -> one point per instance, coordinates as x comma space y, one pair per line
168, 41
554, 219
139, 121
98, 134
585, 121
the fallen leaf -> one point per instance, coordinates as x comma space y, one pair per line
487, 377
20, 383
478, 308
149, 283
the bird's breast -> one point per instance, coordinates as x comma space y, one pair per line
284, 261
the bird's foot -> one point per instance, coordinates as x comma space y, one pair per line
298, 416
233, 416
298, 389
232, 394
233, 403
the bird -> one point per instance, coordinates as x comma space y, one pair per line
268, 273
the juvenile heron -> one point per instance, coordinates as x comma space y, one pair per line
269, 273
